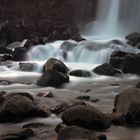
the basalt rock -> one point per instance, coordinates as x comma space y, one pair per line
56, 65
52, 78
94, 119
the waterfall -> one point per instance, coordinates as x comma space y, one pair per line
115, 18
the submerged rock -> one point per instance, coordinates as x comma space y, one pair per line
78, 133
87, 117
56, 65
17, 134
106, 69
52, 78
80, 73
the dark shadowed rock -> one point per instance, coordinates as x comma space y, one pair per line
78, 133
56, 65
52, 78
127, 103
5, 51
94, 119
17, 134
106, 69
19, 54
133, 38
80, 73
131, 64
138, 85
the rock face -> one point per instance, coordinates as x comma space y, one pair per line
52, 78
105, 69
77, 133
56, 65
87, 117
80, 73
17, 107
17, 134
127, 103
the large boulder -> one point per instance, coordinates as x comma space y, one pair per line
78, 133
56, 65
87, 117
105, 69
80, 73
52, 78
18, 106
131, 64
127, 103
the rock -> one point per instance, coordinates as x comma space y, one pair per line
138, 85
17, 134
5, 51
35, 125
19, 106
133, 38
52, 78
19, 54
28, 66
131, 64
78, 133
80, 73
105, 69
68, 45
117, 58
127, 103
83, 97
56, 65
94, 119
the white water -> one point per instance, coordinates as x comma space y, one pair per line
115, 18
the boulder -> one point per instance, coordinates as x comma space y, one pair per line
94, 119
80, 73
127, 103
52, 78
19, 54
56, 65
17, 134
131, 64
106, 69
19, 106
78, 133
133, 38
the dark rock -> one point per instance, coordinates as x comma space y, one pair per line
105, 69
52, 78
28, 66
34, 125
17, 134
131, 64
133, 38
127, 103
18, 107
94, 119
78, 133
83, 97
5, 51
138, 85
19, 54
7, 57
59, 127
56, 65
80, 73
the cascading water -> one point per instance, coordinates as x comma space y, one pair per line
115, 18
